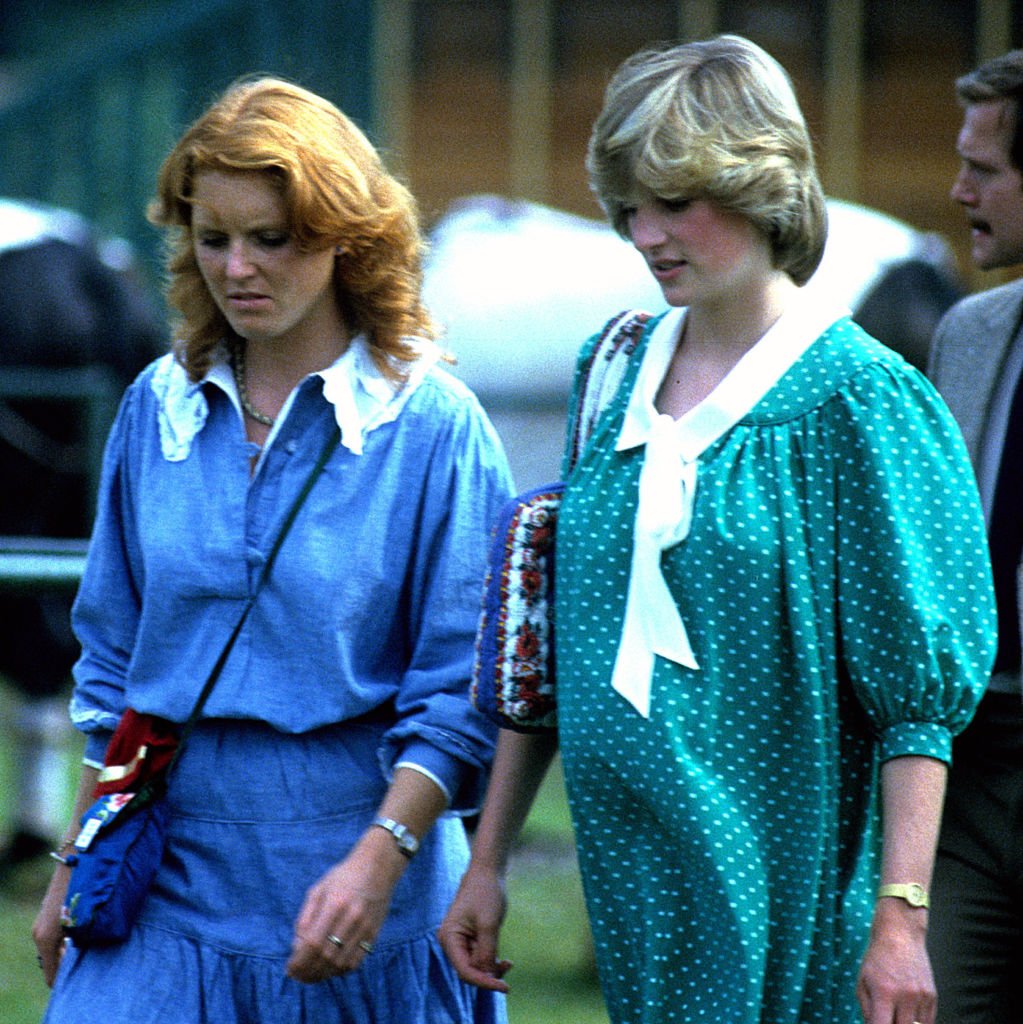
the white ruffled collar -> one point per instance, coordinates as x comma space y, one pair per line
362, 397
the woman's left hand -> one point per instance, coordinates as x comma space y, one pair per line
345, 910
896, 985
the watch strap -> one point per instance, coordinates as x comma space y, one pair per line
912, 892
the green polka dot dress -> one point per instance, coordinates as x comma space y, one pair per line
835, 588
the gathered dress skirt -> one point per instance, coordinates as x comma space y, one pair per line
258, 817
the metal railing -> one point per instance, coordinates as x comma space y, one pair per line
30, 564
34, 563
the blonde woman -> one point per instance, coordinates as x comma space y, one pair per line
315, 835
773, 599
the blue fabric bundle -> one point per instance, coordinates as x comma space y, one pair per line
116, 856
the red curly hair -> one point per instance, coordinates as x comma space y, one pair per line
337, 193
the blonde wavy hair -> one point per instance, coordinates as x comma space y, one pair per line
337, 193
715, 120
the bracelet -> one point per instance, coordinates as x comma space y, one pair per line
408, 844
913, 893
61, 854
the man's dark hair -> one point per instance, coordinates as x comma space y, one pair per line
1000, 78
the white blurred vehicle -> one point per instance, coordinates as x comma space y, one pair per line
518, 287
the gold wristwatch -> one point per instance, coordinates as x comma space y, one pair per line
913, 893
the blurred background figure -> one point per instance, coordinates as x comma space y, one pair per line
976, 928
516, 284
75, 327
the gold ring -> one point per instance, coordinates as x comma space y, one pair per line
337, 942
366, 947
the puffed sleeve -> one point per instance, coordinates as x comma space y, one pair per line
437, 729
916, 611
106, 610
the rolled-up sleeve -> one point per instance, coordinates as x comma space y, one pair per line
106, 611
438, 729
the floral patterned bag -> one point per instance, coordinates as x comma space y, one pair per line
514, 669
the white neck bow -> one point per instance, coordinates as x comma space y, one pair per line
668, 478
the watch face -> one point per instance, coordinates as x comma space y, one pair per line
915, 895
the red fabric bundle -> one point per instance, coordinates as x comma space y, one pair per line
142, 746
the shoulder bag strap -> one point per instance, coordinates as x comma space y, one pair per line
603, 374
328, 449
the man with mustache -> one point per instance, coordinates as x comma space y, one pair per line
976, 927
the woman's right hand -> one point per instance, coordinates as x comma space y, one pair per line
47, 933
470, 930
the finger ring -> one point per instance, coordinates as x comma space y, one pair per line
366, 947
337, 942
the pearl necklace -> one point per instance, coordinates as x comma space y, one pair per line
238, 366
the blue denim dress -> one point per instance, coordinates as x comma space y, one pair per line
355, 659
258, 817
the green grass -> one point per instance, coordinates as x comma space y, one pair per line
22, 992
547, 939
546, 934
